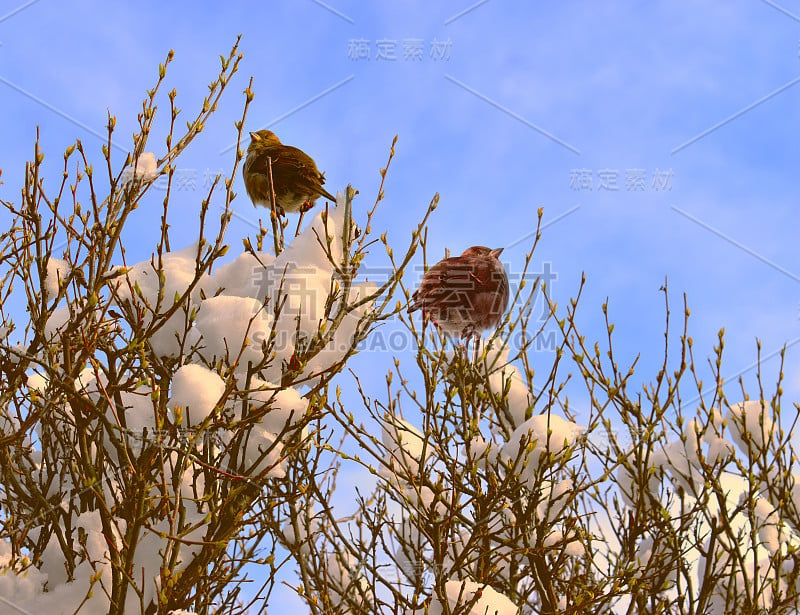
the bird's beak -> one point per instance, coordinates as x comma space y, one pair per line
254, 136
496, 253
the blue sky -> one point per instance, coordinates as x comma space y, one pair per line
626, 85
691, 109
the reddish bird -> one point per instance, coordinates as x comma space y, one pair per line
464, 295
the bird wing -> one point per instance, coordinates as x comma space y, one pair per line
282, 162
290, 161
458, 281
308, 168
445, 283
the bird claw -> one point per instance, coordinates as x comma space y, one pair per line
470, 335
306, 206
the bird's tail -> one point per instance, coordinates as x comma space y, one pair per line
327, 195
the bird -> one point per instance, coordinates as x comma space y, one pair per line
298, 182
464, 295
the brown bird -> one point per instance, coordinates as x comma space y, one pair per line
298, 182
464, 295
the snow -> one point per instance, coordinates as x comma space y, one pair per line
131, 420
539, 434
343, 574
233, 329
195, 389
404, 442
281, 408
680, 464
57, 322
554, 500
178, 270
681, 460
750, 421
23, 590
296, 287
145, 169
768, 524
242, 277
408, 542
306, 533
234, 311
57, 271
459, 593
509, 378
257, 303
628, 488
37, 382
424, 498
263, 453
